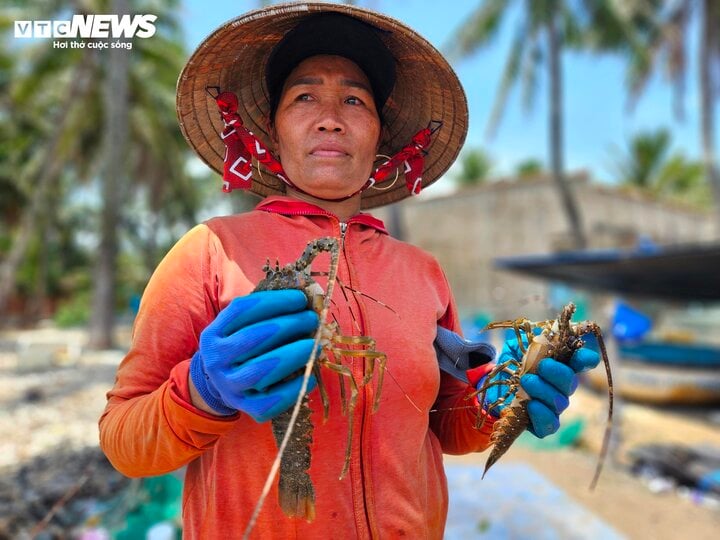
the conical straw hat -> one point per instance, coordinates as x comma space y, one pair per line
234, 57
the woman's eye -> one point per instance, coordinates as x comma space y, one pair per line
303, 97
353, 100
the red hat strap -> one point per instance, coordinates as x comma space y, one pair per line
241, 145
411, 157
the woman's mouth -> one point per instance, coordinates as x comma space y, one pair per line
328, 151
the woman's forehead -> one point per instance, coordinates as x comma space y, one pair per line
321, 68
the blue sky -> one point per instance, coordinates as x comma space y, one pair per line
597, 122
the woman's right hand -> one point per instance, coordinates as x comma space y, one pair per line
250, 352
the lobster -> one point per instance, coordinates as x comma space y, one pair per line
293, 429
558, 339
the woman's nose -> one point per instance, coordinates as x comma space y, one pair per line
330, 120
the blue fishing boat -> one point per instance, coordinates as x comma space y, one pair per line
672, 354
651, 371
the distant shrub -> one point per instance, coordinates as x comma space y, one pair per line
73, 312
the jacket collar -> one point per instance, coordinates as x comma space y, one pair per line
287, 206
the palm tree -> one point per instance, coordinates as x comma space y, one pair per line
709, 62
543, 28
649, 166
42, 169
646, 156
113, 180
63, 94
661, 33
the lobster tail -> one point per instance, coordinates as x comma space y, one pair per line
297, 499
296, 494
512, 422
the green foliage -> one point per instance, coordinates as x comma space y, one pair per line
679, 175
475, 166
659, 42
683, 180
133, 274
74, 311
620, 27
38, 107
649, 165
649, 33
529, 168
646, 155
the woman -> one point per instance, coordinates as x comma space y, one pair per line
211, 361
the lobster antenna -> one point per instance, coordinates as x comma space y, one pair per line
608, 426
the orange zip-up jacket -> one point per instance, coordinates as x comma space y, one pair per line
396, 485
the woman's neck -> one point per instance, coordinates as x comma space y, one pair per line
344, 210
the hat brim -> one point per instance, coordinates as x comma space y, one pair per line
234, 56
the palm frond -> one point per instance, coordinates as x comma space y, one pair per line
675, 36
480, 28
531, 62
645, 157
509, 76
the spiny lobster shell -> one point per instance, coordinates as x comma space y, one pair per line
558, 339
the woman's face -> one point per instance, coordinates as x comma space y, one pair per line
327, 130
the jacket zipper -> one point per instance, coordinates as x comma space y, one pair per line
343, 231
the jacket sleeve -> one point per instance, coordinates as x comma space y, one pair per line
149, 425
455, 419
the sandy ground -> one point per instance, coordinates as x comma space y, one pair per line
620, 499
58, 402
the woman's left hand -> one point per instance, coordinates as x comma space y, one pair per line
549, 388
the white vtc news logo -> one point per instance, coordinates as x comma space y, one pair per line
89, 26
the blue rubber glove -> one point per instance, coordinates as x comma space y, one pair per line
457, 355
250, 348
549, 389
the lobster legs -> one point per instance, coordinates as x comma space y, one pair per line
370, 357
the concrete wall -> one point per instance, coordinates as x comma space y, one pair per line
468, 229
